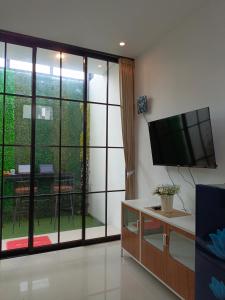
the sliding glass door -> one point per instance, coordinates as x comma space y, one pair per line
61, 151
106, 170
16, 89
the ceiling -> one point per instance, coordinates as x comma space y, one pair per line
97, 24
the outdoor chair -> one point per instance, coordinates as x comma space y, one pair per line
21, 207
65, 187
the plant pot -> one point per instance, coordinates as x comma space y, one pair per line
167, 203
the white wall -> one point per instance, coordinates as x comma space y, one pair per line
185, 71
97, 90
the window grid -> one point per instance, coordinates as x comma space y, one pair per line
32, 145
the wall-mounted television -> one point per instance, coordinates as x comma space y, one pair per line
183, 140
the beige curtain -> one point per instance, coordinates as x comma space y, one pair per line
126, 70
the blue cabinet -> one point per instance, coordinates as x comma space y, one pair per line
210, 242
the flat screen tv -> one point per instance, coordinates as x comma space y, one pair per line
183, 140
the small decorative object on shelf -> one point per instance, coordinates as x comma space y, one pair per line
217, 246
166, 192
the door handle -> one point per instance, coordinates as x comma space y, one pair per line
165, 239
138, 223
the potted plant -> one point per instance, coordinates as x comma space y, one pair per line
166, 193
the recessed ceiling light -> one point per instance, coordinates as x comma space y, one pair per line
60, 55
99, 66
122, 44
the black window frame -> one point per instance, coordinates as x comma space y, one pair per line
35, 43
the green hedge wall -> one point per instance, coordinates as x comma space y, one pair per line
18, 129
9, 154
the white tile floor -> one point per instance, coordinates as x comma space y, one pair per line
93, 272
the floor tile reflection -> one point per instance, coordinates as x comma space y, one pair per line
85, 273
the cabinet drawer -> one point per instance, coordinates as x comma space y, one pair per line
130, 242
153, 260
180, 275
131, 231
152, 245
180, 279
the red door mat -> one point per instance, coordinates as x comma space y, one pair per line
23, 243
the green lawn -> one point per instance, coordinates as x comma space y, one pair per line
46, 226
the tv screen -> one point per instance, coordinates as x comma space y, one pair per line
183, 140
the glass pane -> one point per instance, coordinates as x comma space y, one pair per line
46, 169
70, 217
96, 169
153, 232
72, 123
116, 169
115, 127
17, 124
131, 220
15, 215
95, 217
45, 220
114, 89
182, 249
2, 64
114, 212
97, 80
72, 77
19, 70
71, 170
48, 73
1, 116
96, 125
16, 171
0, 169
47, 122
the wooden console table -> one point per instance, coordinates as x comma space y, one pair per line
164, 246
